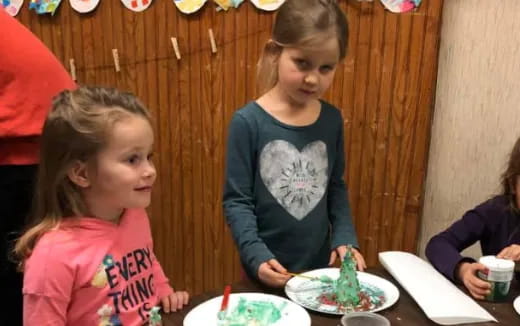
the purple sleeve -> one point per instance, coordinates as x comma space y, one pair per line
443, 250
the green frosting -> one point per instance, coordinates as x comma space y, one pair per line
347, 285
257, 313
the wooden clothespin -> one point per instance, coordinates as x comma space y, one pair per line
212, 41
72, 69
115, 55
175, 45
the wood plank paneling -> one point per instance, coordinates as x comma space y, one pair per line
384, 87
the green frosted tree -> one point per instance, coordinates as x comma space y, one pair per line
347, 285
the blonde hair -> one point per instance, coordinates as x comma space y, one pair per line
299, 23
76, 129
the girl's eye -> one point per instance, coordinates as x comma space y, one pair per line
326, 68
133, 159
149, 157
301, 63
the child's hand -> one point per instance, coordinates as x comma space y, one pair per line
175, 301
467, 273
341, 251
512, 252
273, 273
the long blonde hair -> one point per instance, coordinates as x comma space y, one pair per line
76, 129
299, 23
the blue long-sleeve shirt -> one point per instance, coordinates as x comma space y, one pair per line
494, 223
284, 195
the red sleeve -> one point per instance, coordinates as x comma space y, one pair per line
30, 76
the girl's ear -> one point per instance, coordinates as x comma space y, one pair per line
78, 174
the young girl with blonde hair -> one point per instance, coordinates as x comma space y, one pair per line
285, 198
88, 257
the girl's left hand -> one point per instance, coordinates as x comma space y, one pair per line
175, 301
512, 252
341, 252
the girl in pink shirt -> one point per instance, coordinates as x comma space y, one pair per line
88, 256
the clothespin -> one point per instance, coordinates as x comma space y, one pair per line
175, 45
212, 41
72, 69
115, 55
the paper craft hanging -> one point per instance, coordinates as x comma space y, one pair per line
189, 6
226, 4
12, 7
268, 5
84, 6
44, 6
137, 5
400, 6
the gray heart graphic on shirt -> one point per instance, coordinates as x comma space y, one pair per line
296, 179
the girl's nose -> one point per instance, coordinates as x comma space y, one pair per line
150, 171
311, 79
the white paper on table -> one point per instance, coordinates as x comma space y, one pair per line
438, 297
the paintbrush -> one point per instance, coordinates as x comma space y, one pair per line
323, 278
225, 299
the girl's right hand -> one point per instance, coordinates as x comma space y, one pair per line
273, 273
467, 273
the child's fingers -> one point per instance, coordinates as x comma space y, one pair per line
186, 297
341, 252
477, 281
361, 264
476, 295
269, 276
511, 252
277, 266
180, 300
333, 257
478, 287
504, 253
274, 278
166, 304
478, 291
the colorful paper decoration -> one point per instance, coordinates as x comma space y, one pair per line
84, 6
226, 4
44, 6
189, 6
400, 6
137, 5
268, 5
12, 7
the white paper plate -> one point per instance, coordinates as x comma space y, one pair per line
189, 6
305, 292
206, 312
400, 6
84, 6
516, 304
272, 5
14, 7
137, 5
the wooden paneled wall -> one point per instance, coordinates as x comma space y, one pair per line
385, 88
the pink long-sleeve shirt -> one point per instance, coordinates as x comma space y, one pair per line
94, 272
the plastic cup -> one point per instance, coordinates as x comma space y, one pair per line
499, 276
364, 319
